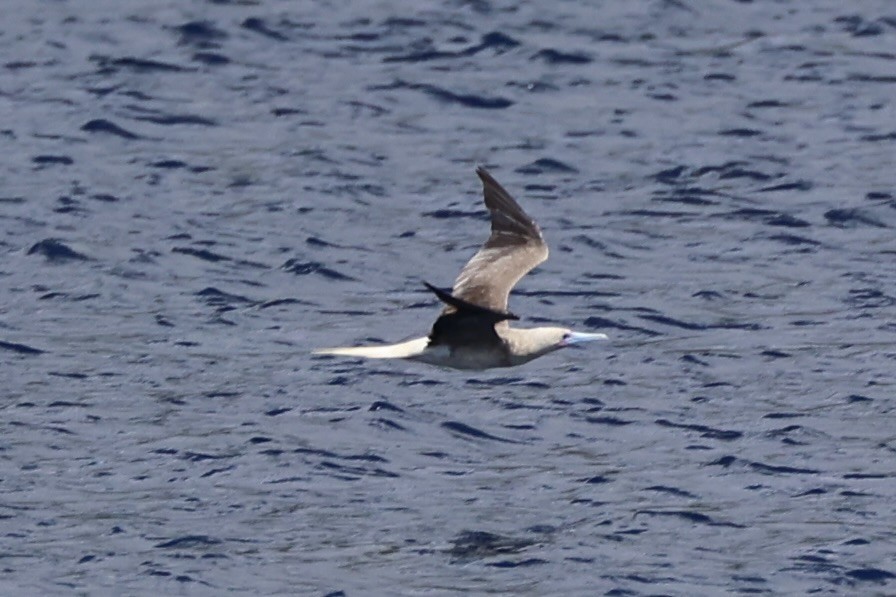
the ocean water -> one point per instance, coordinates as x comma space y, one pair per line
194, 195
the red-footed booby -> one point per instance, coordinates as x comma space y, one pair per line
472, 331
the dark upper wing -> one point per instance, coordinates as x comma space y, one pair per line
465, 324
513, 249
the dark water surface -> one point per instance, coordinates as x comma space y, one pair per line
195, 194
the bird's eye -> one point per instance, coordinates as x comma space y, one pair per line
567, 335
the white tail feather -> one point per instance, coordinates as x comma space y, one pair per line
403, 350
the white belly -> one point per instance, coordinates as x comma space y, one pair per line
463, 359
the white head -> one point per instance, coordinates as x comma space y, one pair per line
531, 343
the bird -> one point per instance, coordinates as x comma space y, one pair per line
473, 332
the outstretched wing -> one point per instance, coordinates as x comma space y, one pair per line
513, 249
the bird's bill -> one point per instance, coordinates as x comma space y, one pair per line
582, 337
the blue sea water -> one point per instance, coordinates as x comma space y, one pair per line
193, 195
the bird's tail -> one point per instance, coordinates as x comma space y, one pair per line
402, 350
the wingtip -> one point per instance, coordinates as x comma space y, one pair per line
460, 304
445, 297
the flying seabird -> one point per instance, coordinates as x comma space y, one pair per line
472, 331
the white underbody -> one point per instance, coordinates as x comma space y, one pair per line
420, 350
444, 356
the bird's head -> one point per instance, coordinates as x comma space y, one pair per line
535, 342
